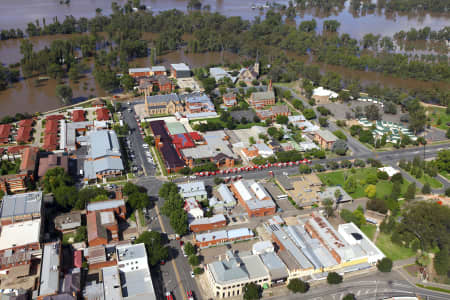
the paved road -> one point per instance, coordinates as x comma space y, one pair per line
374, 286
137, 141
168, 272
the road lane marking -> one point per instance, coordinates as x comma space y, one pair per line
174, 265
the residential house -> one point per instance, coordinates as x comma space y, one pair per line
13, 183
180, 70
193, 209
258, 149
325, 138
24, 134
228, 200
249, 74
116, 205
229, 99
5, 132
102, 228
29, 162
196, 190
102, 114
78, 115
68, 222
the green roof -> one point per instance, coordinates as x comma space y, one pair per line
175, 128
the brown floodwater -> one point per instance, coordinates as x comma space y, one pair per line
18, 13
28, 96
25, 96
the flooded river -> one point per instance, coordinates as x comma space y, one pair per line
20, 12
26, 96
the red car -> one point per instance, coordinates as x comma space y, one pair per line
181, 243
190, 295
169, 296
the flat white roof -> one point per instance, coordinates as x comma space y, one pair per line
19, 234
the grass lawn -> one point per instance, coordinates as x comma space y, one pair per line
384, 187
434, 183
445, 174
391, 250
68, 236
436, 113
369, 230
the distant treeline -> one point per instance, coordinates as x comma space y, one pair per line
263, 39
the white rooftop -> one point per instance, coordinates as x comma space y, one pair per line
19, 234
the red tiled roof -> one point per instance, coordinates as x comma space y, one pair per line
51, 127
102, 114
195, 136
182, 141
77, 259
55, 117
78, 116
16, 149
50, 142
26, 123
23, 134
5, 130
29, 157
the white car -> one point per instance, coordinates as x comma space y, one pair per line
192, 177
192, 274
145, 146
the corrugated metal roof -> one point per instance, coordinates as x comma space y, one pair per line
138, 70
180, 67
102, 205
49, 282
107, 163
21, 204
103, 143
275, 265
226, 194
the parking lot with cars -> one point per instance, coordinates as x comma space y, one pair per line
141, 152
